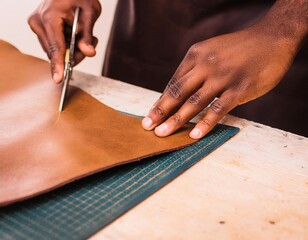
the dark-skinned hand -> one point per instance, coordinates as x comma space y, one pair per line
227, 71
52, 22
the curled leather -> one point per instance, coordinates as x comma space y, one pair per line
42, 149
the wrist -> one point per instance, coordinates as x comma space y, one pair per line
286, 23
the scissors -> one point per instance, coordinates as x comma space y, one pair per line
69, 60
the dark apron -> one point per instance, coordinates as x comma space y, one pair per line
149, 39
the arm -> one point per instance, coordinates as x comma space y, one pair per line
50, 21
230, 70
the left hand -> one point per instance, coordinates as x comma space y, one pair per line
234, 68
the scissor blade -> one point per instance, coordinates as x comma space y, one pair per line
69, 60
64, 89
73, 38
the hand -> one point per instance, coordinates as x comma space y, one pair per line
224, 71
52, 22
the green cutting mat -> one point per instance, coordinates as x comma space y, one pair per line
80, 209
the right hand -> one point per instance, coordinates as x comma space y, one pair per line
50, 20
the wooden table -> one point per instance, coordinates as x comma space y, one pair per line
255, 186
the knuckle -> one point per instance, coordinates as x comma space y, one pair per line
195, 99
205, 122
46, 15
218, 107
158, 111
233, 99
174, 88
241, 88
176, 118
32, 20
193, 52
53, 49
244, 83
211, 58
92, 10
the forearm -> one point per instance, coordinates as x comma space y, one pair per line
287, 23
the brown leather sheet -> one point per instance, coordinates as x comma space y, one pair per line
42, 149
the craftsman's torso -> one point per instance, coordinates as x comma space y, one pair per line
150, 38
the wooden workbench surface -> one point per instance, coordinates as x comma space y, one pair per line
255, 186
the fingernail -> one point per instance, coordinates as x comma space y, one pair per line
90, 46
56, 77
195, 133
161, 129
147, 123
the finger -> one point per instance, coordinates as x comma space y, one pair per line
194, 104
56, 48
176, 93
87, 42
173, 95
214, 114
188, 62
79, 56
87, 46
36, 27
